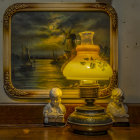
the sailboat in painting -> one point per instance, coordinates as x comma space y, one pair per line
27, 64
54, 56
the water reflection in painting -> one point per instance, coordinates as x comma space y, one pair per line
41, 75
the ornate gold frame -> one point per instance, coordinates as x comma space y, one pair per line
26, 94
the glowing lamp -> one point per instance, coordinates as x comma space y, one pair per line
88, 67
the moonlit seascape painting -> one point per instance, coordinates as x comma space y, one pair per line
42, 42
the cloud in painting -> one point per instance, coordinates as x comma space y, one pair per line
46, 31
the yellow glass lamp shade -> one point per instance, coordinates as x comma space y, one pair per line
87, 64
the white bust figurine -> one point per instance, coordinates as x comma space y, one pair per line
116, 108
54, 111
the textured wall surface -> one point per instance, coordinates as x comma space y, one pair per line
129, 45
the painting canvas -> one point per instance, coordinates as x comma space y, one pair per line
42, 42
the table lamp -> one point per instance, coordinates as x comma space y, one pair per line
88, 67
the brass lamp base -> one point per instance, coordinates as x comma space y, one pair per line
90, 119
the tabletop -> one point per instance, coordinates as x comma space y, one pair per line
64, 133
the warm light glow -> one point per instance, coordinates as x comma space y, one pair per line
77, 69
87, 64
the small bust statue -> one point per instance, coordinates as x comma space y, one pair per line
116, 108
54, 111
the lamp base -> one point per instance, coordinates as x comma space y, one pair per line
90, 133
90, 120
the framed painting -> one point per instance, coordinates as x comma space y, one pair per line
40, 38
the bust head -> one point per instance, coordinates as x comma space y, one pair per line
117, 95
55, 96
